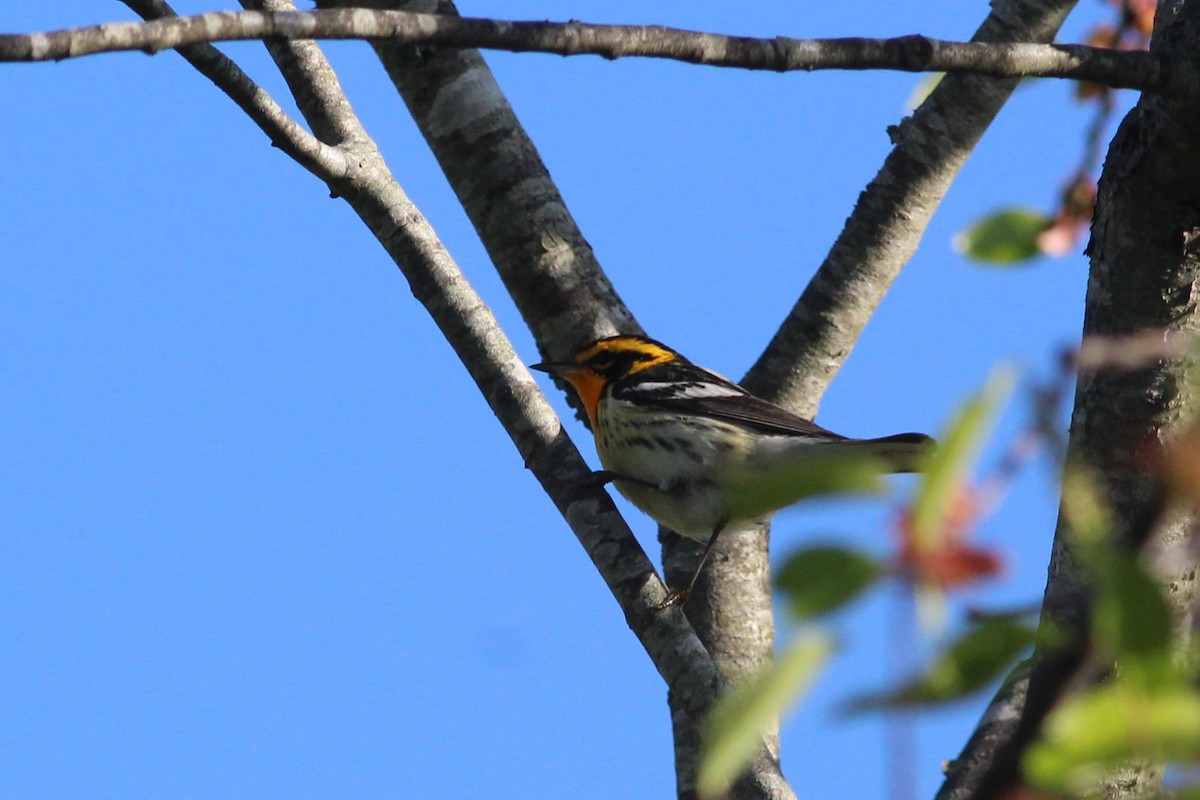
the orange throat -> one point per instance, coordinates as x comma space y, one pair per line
589, 386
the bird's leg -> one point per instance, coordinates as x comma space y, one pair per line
603, 477
677, 597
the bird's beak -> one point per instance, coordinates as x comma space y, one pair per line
554, 367
586, 384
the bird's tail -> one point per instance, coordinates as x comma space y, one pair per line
902, 452
784, 471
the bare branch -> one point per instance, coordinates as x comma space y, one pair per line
877, 241
495, 169
468, 324
565, 298
890, 217
996, 729
1144, 273
881, 235
1120, 69
313, 83
285, 132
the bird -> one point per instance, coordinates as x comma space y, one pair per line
696, 452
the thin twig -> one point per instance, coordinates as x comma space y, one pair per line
1131, 70
284, 132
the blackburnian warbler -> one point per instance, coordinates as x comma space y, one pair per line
689, 448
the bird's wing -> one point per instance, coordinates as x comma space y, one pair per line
721, 399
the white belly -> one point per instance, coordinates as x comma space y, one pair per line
674, 465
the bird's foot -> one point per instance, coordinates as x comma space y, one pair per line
675, 598
603, 477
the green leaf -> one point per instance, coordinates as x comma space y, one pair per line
972, 662
1007, 236
1084, 507
822, 578
822, 472
923, 89
930, 81
1090, 734
947, 465
1131, 617
733, 731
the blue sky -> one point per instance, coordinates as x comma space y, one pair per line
262, 536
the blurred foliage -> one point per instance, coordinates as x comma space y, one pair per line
824, 473
817, 580
1147, 707
1006, 237
973, 661
733, 732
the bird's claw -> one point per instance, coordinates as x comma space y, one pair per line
602, 477
675, 599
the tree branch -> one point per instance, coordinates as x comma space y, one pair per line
284, 132
890, 218
877, 241
1119, 69
495, 170
1144, 276
565, 298
468, 324
997, 727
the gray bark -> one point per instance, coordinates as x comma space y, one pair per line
1144, 276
